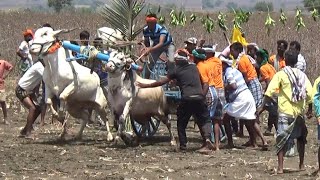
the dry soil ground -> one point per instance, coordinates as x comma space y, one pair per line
95, 158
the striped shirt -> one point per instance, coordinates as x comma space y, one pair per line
232, 75
155, 35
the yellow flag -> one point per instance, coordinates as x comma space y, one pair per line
237, 36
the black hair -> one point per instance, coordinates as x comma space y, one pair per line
291, 58
284, 42
74, 42
296, 44
152, 15
201, 51
84, 35
237, 46
46, 25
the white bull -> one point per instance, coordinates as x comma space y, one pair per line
128, 99
77, 89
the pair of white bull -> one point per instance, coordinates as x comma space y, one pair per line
79, 90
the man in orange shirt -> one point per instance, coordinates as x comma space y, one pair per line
278, 61
267, 72
215, 69
250, 76
207, 80
4, 66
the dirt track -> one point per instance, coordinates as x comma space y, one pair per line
94, 158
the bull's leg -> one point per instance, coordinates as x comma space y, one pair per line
83, 114
63, 99
167, 122
123, 118
103, 115
48, 98
64, 130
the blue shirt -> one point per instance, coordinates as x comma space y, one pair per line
231, 76
155, 35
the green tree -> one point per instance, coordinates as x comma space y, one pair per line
58, 5
263, 6
310, 4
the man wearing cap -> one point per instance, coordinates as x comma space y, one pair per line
192, 102
23, 51
161, 42
191, 44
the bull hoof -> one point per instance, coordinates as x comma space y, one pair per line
116, 141
61, 115
110, 137
129, 139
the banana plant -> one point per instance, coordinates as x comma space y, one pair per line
162, 20
174, 18
240, 17
283, 18
182, 19
222, 21
299, 20
269, 23
208, 23
315, 14
193, 18
178, 19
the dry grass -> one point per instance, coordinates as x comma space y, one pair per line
13, 23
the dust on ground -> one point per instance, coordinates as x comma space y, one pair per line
95, 158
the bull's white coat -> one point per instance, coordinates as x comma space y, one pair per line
75, 86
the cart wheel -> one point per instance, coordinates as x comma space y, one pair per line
145, 130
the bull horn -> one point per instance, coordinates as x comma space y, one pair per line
57, 32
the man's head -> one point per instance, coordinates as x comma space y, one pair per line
262, 56
191, 44
181, 57
98, 43
282, 46
84, 38
291, 58
199, 55
225, 62
210, 50
28, 35
47, 25
295, 46
252, 49
235, 49
151, 20
75, 43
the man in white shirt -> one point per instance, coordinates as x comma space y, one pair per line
25, 93
301, 64
24, 51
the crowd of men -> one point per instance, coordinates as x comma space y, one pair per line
225, 91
